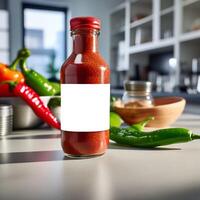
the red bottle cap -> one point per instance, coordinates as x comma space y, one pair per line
85, 22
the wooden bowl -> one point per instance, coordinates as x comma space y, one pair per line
166, 111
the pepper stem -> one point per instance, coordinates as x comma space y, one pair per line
140, 126
23, 54
13, 65
23, 66
195, 136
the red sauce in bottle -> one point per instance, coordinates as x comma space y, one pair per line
85, 73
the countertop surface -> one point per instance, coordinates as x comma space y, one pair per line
33, 166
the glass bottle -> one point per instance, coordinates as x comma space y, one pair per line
85, 93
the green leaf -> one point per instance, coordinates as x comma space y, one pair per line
115, 120
54, 102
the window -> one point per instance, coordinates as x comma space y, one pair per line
44, 33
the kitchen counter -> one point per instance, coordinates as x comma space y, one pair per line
32, 166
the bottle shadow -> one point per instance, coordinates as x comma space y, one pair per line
37, 156
28, 137
34, 156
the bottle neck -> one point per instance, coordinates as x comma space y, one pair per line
85, 40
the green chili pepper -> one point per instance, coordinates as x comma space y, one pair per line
35, 80
136, 137
56, 87
151, 139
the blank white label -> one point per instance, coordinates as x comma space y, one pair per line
85, 107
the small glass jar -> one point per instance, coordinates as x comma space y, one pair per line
137, 94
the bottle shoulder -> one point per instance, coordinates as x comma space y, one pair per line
91, 59
87, 68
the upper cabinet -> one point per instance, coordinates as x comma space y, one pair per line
166, 19
190, 28
141, 22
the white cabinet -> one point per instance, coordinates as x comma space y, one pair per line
148, 26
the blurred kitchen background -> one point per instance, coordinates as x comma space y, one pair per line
156, 40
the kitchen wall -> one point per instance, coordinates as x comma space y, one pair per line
98, 8
3, 4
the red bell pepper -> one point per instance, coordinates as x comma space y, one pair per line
9, 73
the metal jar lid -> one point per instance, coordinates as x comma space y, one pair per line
5, 110
138, 86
